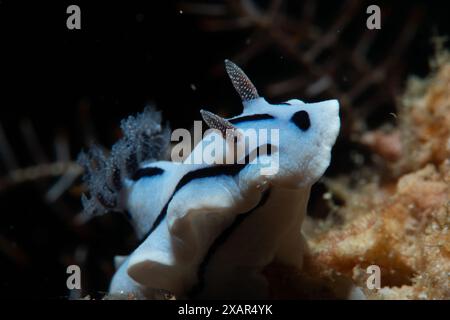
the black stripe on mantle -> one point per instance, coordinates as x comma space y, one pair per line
252, 117
220, 240
146, 173
214, 171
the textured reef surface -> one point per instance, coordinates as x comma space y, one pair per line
394, 214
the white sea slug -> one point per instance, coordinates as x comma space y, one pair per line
208, 230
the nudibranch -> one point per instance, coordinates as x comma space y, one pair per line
209, 228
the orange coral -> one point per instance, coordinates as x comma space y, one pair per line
425, 119
407, 237
401, 225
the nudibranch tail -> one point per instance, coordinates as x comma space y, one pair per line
241, 82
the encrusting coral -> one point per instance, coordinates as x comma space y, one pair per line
400, 223
404, 233
425, 115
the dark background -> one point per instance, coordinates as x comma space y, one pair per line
77, 85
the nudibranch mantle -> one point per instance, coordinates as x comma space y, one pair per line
209, 230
